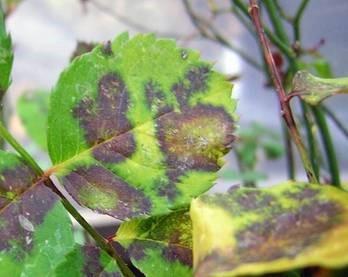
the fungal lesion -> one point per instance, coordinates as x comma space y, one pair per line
195, 80
156, 99
105, 116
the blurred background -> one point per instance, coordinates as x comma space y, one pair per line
45, 33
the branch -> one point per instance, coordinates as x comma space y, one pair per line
101, 242
201, 24
284, 104
125, 20
335, 120
285, 49
297, 20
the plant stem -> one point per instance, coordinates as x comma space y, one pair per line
282, 12
24, 154
311, 142
284, 104
101, 242
290, 163
216, 36
285, 49
274, 17
328, 145
297, 20
335, 120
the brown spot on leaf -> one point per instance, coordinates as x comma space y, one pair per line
13, 182
304, 194
107, 48
20, 219
104, 117
99, 189
175, 253
194, 81
196, 138
116, 149
281, 235
93, 265
156, 99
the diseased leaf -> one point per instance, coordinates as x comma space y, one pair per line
88, 261
257, 231
139, 126
6, 56
314, 89
35, 230
159, 246
36, 237
33, 109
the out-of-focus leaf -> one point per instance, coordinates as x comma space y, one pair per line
33, 110
159, 246
273, 149
257, 231
322, 68
314, 89
36, 236
247, 176
254, 138
6, 56
139, 126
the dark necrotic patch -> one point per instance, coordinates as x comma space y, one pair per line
280, 236
20, 219
175, 253
195, 81
156, 99
99, 189
196, 138
107, 49
116, 149
106, 116
92, 266
302, 194
136, 249
14, 181
287, 233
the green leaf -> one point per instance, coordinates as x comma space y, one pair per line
273, 149
246, 176
88, 261
322, 68
258, 231
159, 246
32, 108
314, 90
36, 235
139, 126
6, 56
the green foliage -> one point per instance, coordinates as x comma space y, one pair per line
251, 141
6, 56
159, 246
257, 231
33, 109
314, 89
139, 126
36, 237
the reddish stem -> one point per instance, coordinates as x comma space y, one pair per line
282, 96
